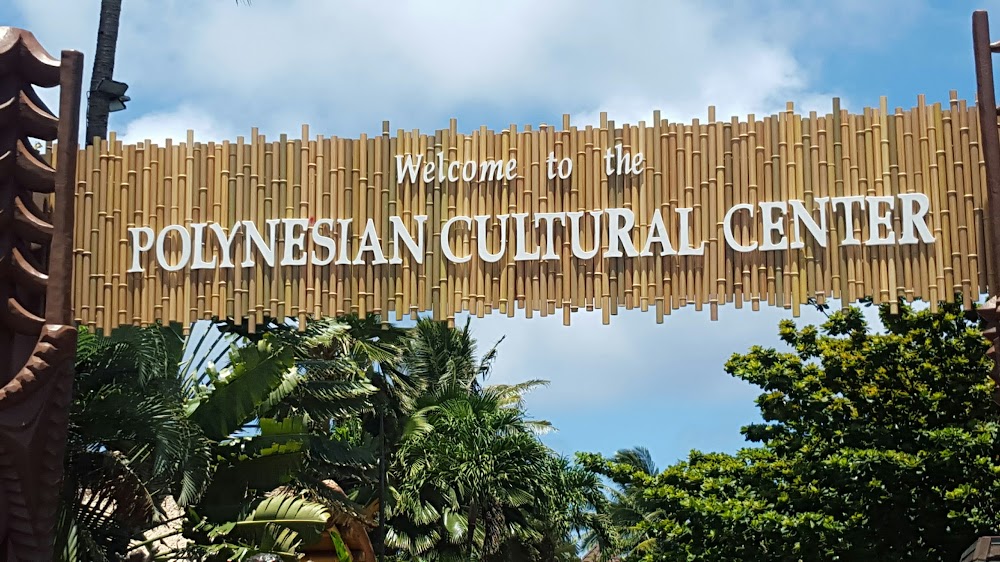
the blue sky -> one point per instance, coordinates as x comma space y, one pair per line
344, 66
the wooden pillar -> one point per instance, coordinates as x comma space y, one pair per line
988, 548
990, 138
37, 338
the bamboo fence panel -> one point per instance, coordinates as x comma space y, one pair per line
345, 199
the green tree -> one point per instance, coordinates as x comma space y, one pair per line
629, 508
244, 433
874, 446
129, 444
471, 478
572, 513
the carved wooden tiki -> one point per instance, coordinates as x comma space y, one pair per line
37, 335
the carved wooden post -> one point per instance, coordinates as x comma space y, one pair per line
37, 336
987, 106
988, 548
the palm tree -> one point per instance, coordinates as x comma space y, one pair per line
576, 515
98, 106
628, 508
129, 442
373, 350
241, 439
293, 436
470, 465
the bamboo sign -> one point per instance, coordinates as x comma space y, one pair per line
658, 215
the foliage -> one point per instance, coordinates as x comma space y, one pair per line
874, 446
256, 434
129, 443
154, 417
471, 477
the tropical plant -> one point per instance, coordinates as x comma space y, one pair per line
471, 478
243, 434
571, 514
470, 464
256, 435
364, 349
874, 446
629, 508
129, 443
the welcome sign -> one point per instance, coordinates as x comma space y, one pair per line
656, 215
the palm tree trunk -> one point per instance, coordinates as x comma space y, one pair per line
473, 514
104, 68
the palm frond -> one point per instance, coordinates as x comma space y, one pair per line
284, 522
105, 506
236, 394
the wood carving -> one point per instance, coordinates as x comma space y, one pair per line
37, 335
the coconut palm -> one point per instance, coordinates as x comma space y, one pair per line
576, 513
628, 508
470, 464
98, 106
474, 462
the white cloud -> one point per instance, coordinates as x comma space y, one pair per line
158, 126
345, 66
592, 365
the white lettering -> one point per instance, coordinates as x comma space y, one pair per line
684, 215
295, 242
577, 236
469, 170
509, 172
772, 226
370, 243
481, 232
198, 248
428, 172
911, 219
408, 168
848, 204
550, 239
521, 238
266, 249
491, 170
877, 221
802, 216
140, 247
400, 233
446, 244
323, 241
185, 240
620, 223
344, 238
658, 234
225, 243
727, 228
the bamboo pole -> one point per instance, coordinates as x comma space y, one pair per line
708, 167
